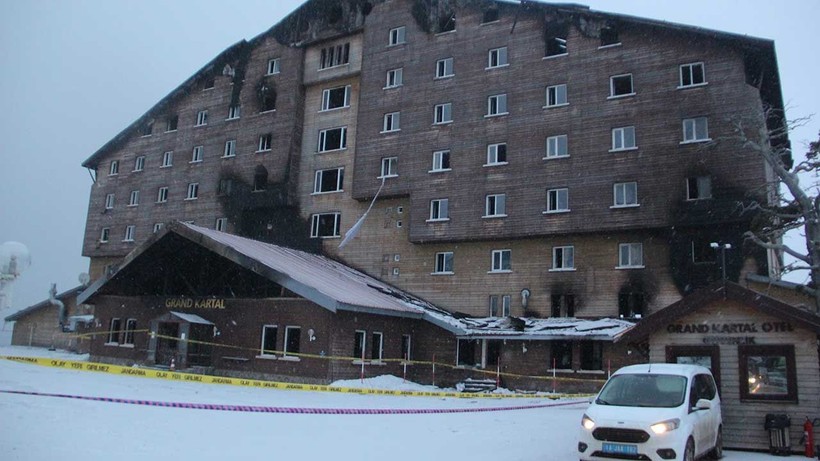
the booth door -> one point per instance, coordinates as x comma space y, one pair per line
199, 350
167, 343
706, 356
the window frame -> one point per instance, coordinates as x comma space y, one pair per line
620, 188
563, 258
201, 118
621, 135
744, 351
444, 260
439, 213
394, 78
496, 105
193, 191
443, 113
614, 83
492, 203
441, 155
139, 163
323, 138
316, 221
694, 130
162, 194
134, 198
397, 36
442, 66
286, 350
221, 224
234, 112
197, 154
359, 344
554, 94
557, 192
407, 347
334, 56
158, 227
391, 122
274, 66
691, 66
114, 331
495, 56
128, 333
326, 98
318, 180
494, 152
130, 232
376, 355
265, 143
553, 147
389, 167
264, 336
230, 149
110, 200
105, 235
500, 261
632, 249
703, 193
167, 159
114, 168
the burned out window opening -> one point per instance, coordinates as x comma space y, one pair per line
561, 355
268, 340
563, 305
209, 82
224, 187
266, 96
325, 225
406, 347
490, 15
260, 178
447, 22
336, 98
330, 180
609, 36
292, 340
333, 56
466, 352
592, 355
332, 139
171, 123
698, 188
702, 251
147, 129
631, 304
620, 86
493, 352
359, 343
376, 346
555, 39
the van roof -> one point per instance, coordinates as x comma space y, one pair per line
664, 369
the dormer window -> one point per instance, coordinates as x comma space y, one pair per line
609, 36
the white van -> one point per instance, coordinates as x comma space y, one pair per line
656, 412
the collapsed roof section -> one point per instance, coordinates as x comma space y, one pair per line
329, 284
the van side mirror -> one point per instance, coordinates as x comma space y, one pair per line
703, 404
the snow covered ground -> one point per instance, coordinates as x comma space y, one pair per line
41, 428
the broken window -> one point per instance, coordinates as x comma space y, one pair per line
561, 355
269, 333
592, 355
225, 187
490, 15
702, 251
325, 225
620, 85
335, 56
147, 129
171, 123
208, 83
555, 37
563, 305
267, 98
335, 98
698, 188
332, 139
631, 304
292, 339
447, 23
328, 180
466, 352
260, 178
609, 36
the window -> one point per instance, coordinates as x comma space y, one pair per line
444, 68
563, 305
171, 123
698, 188
490, 15
196, 155
609, 36
221, 224
695, 130
147, 129
389, 167
230, 148
114, 168
444, 263
501, 261
376, 346
620, 85
447, 22
497, 154
105, 234
395, 78
292, 337
162, 195
626, 194
208, 83
328, 180
495, 206
439, 209
466, 352
443, 113
630, 255
202, 118
557, 146
441, 161
397, 36
405, 347
623, 138
114, 331
158, 227
260, 178
692, 75
109, 201
631, 304
129, 233
561, 355
268, 345
563, 258
325, 225
556, 39
334, 56
497, 57
556, 95
267, 98
506, 302
497, 105
592, 355
273, 66
767, 373
130, 327
264, 142
193, 191
139, 163
557, 200
134, 200
359, 344
234, 112
336, 98
702, 251
392, 122
224, 187
705, 356
167, 159
333, 139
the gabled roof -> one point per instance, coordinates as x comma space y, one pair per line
553, 328
45, 303
317, 278
718, 292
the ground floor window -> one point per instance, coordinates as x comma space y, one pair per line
705, 356
376, 346
130, 327
358, 344
592, 355
493, 351
405, 347
767, 373
466, 352
292, 338
561, 355
269, 333
114, 331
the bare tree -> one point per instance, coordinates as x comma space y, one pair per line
799, 209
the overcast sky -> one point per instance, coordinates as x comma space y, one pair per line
76, 72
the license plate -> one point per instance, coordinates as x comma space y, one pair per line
620, 449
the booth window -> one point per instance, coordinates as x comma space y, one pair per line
269, 333
292, 336
592, 355
767, 373
561, 355
705, 356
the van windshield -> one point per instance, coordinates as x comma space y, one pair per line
644, 390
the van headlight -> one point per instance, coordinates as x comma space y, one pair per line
587, 422
665, 426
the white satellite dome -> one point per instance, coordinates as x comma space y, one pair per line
14, 258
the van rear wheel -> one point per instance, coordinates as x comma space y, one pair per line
717, 451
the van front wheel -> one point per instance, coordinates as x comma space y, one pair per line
717, 451
689, 453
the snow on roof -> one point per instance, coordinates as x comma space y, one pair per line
191, 318
550, 328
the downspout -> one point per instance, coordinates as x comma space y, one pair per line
52, 299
